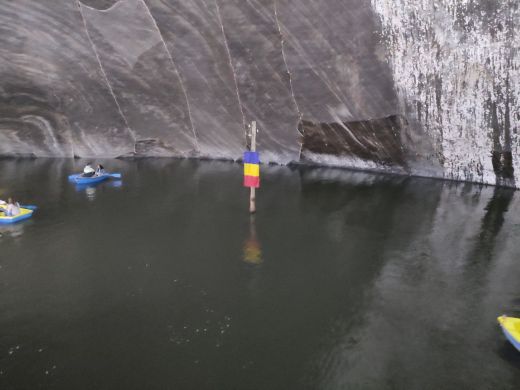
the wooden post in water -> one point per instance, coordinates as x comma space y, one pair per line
252, 195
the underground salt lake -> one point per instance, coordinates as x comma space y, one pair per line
342, 280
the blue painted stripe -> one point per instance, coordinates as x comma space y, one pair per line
8, 221
251, 158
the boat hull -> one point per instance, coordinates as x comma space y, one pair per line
24, 214
511, 339
510, 330
78, 179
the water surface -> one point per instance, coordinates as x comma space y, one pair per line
343, 280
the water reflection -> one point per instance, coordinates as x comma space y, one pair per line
90, 190
252, 249
492, 222
367, 281
15, 230
115, 183
431, 317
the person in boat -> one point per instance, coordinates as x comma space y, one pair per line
100, 170
88, 171
12, 209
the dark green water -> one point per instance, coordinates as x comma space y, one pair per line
343, 281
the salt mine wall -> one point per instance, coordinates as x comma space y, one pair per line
415, 87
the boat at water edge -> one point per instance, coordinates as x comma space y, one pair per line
24, 214
511, 328
80, 179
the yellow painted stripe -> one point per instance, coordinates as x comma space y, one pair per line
251, 170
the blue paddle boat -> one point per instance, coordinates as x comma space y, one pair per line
80, 179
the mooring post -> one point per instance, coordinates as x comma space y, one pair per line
252, 195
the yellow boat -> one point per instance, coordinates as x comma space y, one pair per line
24, 214
511, 328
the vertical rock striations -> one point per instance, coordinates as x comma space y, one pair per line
143, 76
406, 86
53, 98
342, 84
192, 30
455, 65
255, 49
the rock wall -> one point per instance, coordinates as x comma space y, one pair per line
407, 86
455, 65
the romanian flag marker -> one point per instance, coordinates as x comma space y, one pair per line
251, 169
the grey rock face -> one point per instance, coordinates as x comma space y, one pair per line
193, 33
255, 49
455, 67
342, 84
143, 77
53, 98
405, 86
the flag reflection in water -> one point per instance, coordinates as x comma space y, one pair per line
252, 249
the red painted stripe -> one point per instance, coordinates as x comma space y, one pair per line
252, 181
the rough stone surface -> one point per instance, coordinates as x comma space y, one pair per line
455, 65
407, 86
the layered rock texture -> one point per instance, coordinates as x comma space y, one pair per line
409, 86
